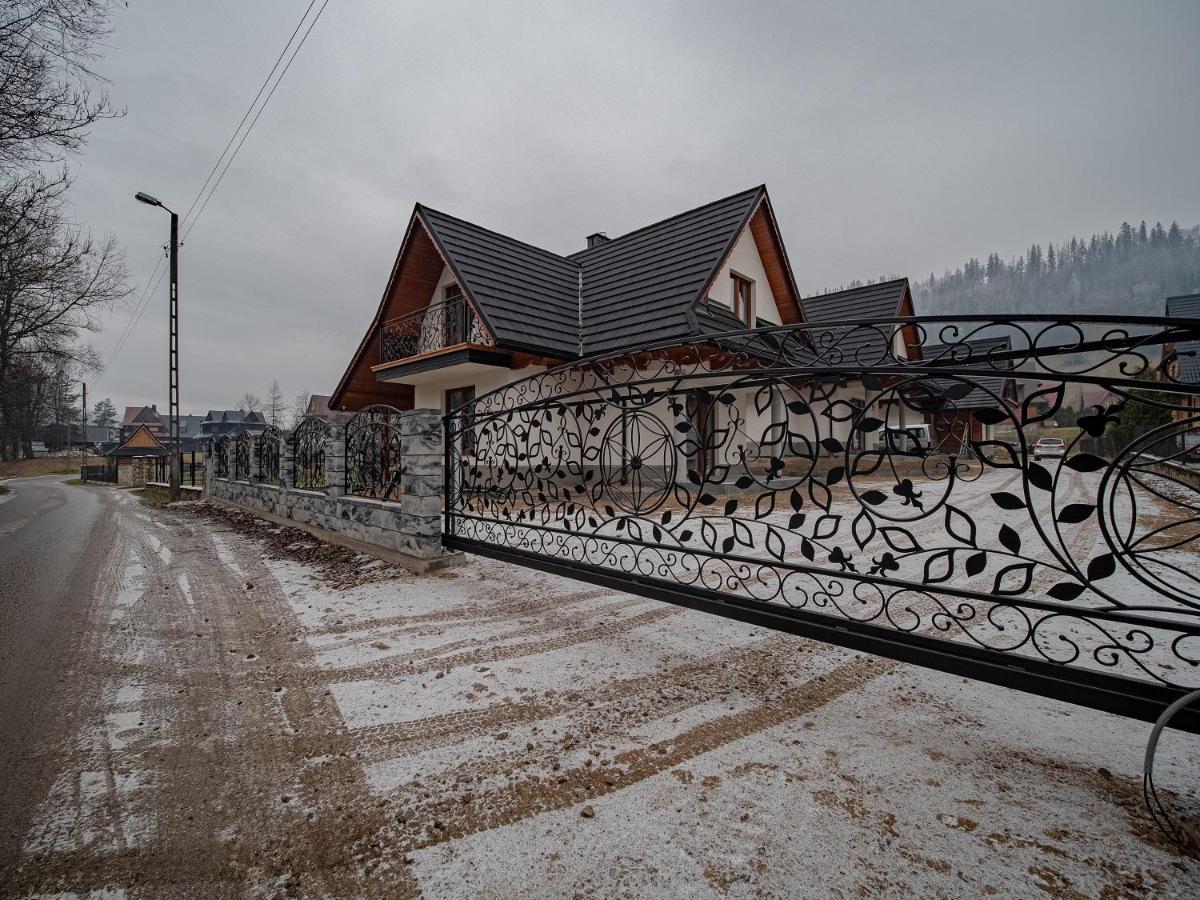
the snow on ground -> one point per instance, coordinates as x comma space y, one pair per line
540, 737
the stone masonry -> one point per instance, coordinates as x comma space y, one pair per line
408, 531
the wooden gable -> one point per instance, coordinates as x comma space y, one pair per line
414, 277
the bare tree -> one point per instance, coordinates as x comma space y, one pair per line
250, 402
48, 100
274, 404
299, 408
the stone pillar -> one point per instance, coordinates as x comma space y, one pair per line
335, 461
210, 468
421, 446
285, 461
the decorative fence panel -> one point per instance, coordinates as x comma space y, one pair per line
373, 453
243, 451
308, 454
219, 447
267, 451
926, 489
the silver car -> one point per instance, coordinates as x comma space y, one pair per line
1050, 446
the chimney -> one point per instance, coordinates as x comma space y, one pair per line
595, 240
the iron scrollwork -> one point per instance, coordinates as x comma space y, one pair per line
874, 476
267, 447
220, 451
243, 446
373, 453
308, 454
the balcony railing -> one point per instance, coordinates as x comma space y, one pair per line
436, 327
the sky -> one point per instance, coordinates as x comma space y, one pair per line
894, 138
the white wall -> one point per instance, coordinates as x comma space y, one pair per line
744, 260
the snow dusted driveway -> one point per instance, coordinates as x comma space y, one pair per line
249, 724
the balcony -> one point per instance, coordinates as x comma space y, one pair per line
450, 323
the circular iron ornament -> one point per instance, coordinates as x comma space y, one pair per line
267, 449
638, 459
892, 474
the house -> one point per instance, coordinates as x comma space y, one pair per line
159, 425
318, 408
138, 416
962, 411
1183, 361
220, 422
130, 455
467, 310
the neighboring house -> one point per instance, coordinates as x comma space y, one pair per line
221, 422
318, 408
961, 411
138, 416
141, 443
467, 311
160, 426
1184, 360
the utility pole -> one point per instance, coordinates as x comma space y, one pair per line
83, 424
175, 447
173, 363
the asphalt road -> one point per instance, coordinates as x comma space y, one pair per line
54, 540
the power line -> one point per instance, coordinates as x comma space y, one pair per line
152, 285
254, 121
249, 109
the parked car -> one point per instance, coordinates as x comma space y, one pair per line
1050, 446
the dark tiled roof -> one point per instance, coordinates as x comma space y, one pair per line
528, 297
977, 358
634, 289
872, 302
640, 287
1186, 306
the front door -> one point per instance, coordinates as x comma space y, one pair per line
703, 415
455, 398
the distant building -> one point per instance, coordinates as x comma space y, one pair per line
1183, 364
159, 425
318, 407
220, 422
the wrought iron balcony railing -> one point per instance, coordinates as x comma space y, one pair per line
436, 327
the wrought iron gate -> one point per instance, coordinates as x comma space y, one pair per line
1012, 501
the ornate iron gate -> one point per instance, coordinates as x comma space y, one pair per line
1012, 501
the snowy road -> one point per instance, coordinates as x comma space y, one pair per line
241, 727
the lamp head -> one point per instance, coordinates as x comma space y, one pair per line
147, 199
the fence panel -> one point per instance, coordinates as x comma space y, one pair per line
308, 454
850, 482
267, 450
373, 456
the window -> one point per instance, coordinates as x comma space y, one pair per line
743, 298
456, 397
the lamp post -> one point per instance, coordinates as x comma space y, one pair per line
173, 355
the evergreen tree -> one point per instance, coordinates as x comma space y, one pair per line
104, 414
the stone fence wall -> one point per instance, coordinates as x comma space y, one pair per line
407, 531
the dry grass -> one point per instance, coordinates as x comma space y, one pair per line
45, 465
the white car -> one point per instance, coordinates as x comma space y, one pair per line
1050, 446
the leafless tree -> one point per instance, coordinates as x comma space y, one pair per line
274, 405
250, 402
48, 100
299, 408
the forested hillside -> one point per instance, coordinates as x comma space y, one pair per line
1126, 273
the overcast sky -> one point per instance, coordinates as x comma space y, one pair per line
895, 138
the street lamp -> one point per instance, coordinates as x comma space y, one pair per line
173, 354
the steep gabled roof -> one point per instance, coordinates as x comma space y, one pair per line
1186, 306
641, 286
141, 443
638, 288
871, 302
528, 297
974, 354
136, 414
